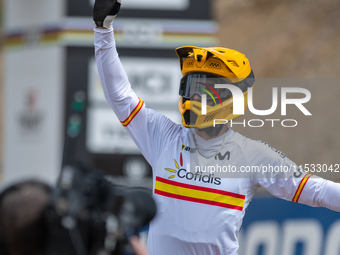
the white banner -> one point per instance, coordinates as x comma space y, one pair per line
33, 126
154, 4
31, 14
155, 80
105, 133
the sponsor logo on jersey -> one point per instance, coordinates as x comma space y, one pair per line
198, 176
187, 148
281, 154
222, 157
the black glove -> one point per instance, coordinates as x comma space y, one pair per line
105, 11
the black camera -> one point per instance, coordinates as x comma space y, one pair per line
91, 216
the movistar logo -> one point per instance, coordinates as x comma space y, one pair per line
222, 157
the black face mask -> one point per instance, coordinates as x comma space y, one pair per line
213, 131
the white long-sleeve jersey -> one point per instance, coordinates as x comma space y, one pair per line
201, 201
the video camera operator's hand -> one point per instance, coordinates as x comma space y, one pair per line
105, 11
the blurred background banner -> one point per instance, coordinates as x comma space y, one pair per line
54, 112
274, 226
33, 90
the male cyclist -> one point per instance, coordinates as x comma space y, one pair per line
200, 209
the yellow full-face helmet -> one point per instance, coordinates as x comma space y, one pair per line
202, 68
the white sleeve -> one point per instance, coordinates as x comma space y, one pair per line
150, 131
289, 182
320, 192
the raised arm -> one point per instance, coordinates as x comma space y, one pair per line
150, 131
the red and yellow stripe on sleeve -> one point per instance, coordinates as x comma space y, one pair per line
198, 194
133, 113
300, 188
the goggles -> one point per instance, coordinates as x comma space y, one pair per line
204, 83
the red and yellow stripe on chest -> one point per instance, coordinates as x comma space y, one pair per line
198, 194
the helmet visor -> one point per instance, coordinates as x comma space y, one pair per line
193, 85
